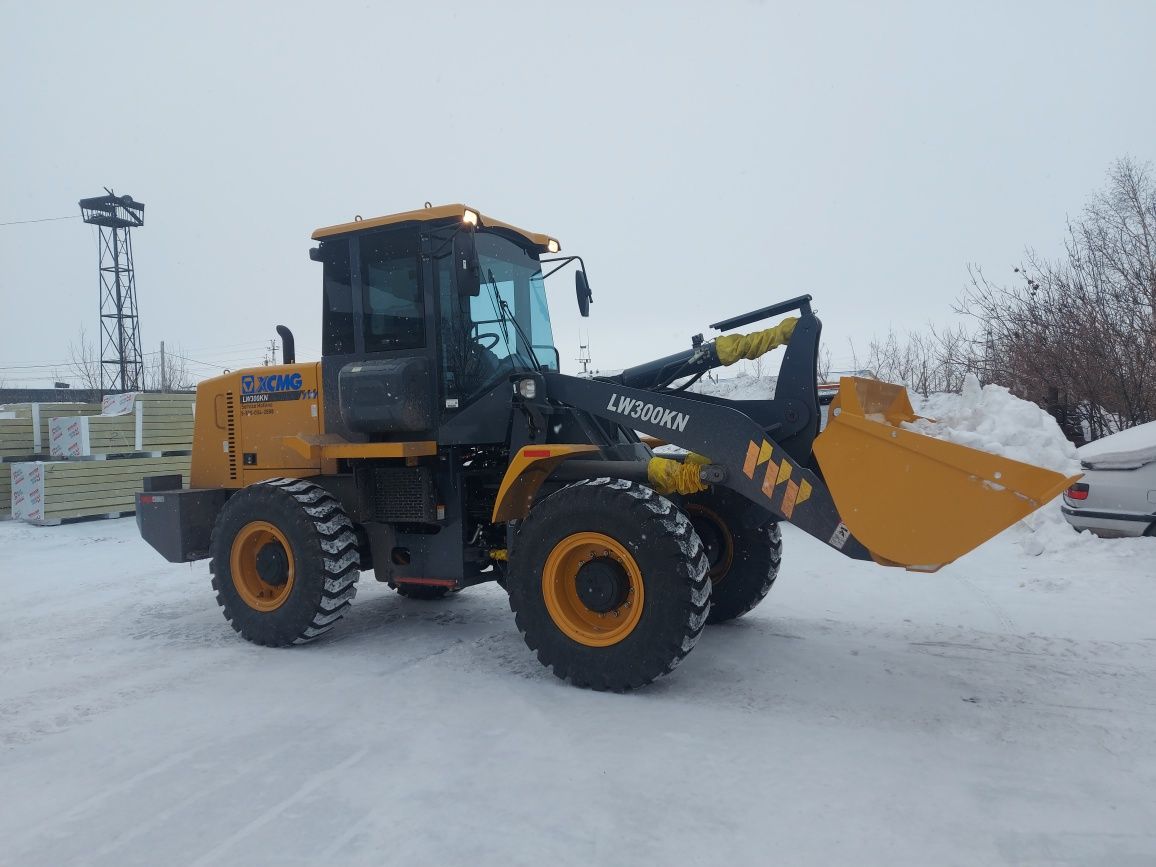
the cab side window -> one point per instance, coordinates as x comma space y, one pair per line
392, 302
337, 316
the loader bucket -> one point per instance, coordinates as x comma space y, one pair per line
913, 500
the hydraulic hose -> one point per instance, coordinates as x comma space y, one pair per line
720, 352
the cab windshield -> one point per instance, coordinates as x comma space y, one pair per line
512, 284
482, 341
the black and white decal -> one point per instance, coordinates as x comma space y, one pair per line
653, 413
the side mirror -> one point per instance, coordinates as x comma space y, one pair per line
582, 289
466, 270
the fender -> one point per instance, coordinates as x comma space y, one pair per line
528, 469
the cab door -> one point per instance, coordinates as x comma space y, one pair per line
377, 361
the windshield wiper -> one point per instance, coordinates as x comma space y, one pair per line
506, 311
496, 301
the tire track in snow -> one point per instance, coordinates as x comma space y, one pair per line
213, 856
329, 853
1001, 616
51, 710
79, 809
159, 819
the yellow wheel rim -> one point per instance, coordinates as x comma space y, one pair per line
567, 609
726, 542
254, 591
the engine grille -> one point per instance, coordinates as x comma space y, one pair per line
402, 494
231, 433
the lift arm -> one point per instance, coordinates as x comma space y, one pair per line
741, 454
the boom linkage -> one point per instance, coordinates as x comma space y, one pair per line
753, 464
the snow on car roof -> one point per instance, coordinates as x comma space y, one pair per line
1122, 451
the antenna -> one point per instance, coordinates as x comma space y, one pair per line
583, 354
120, 355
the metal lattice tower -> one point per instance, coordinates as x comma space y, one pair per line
120, 355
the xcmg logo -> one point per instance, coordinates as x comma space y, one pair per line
272, 383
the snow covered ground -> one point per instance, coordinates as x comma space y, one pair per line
1002, 711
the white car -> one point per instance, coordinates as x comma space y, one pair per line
1117, 495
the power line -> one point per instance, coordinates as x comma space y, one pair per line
46, 366
41, 220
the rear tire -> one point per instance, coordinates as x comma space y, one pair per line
744, 560
284, 562
608, 584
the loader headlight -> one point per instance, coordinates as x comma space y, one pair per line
470, 217
527, 388
552, 246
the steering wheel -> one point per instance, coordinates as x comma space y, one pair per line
493, 338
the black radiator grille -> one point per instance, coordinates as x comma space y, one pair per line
402, 494
231, 433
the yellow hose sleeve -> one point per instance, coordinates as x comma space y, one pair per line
733, 347
675, 477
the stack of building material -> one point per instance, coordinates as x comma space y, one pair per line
25, 434
101, 454
150, 423
25, 428
47, 492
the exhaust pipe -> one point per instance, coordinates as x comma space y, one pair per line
288, 348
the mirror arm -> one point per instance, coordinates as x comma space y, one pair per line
565, 260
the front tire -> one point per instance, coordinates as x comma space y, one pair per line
744, 560
284, 562
608, 584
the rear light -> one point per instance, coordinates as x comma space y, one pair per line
1078, 491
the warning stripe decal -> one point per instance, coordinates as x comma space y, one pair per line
769, 481
749, 463
789, 496
777, 472
765, 451
804, 492
784, 472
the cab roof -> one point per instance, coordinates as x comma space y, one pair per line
431, 214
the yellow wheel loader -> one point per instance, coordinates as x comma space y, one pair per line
437, 444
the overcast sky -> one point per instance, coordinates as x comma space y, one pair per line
703, 160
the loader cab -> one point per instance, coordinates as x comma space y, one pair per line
425, 318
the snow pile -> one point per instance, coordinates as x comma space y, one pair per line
992, 419
743, 386
1046, 531
1125, 450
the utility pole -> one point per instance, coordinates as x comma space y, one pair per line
164, 379
271, 353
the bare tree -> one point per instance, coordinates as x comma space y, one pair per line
937, 359
825, 364
1078, 335
174, 377
84, 361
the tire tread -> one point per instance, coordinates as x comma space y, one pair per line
322, 524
